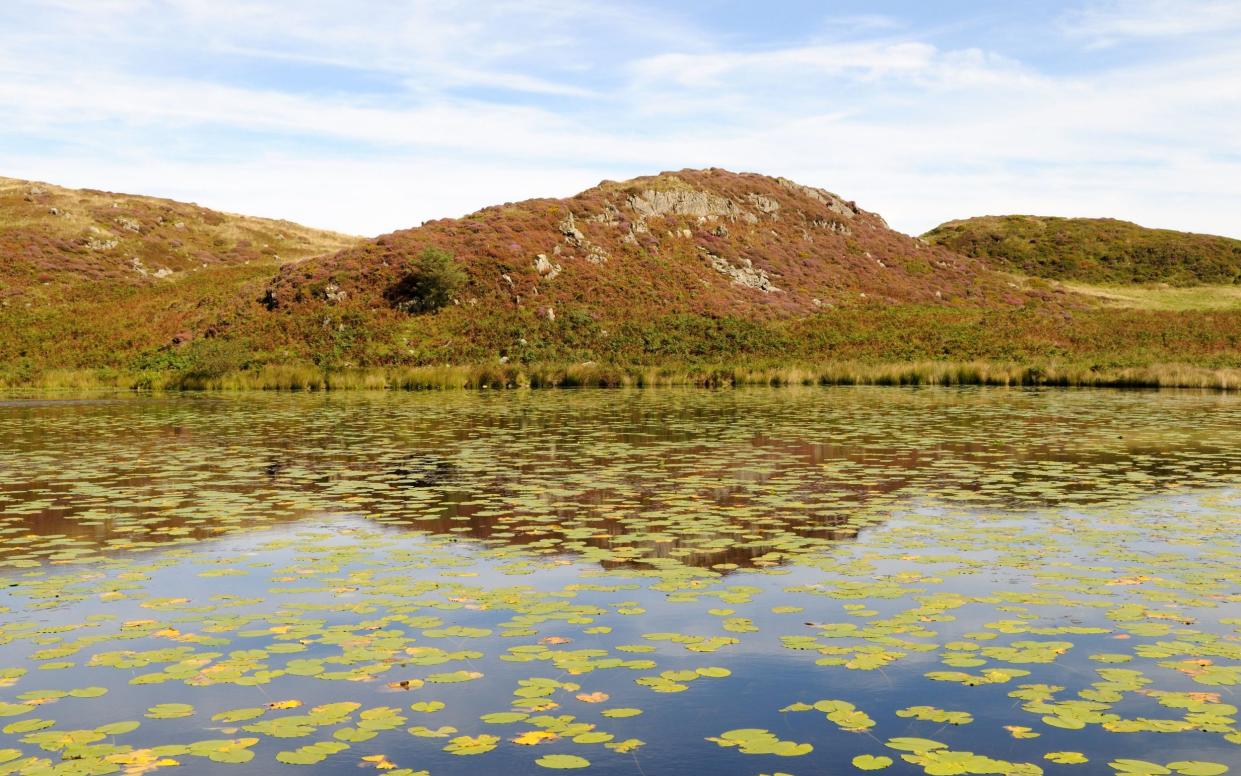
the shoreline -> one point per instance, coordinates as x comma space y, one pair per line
295, 377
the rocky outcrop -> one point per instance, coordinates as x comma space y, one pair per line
744, 274
833, 202
544, 267
687, 202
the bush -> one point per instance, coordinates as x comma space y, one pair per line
432, 281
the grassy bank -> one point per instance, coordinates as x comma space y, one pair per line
311, 378
861, 344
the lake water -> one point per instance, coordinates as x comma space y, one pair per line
742, 582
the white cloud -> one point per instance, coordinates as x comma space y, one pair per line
917, 131
1107, 23
912, 61
367, 197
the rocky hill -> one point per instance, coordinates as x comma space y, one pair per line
1093, 250
706, 242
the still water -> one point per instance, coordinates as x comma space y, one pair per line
796, 581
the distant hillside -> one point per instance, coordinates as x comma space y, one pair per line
50, 234
89, 278
1093, 250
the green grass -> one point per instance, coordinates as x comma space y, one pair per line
541, 376
1094, 250
461, 348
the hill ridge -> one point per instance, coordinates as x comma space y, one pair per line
1097, 250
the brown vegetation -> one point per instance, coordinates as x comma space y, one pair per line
700, 277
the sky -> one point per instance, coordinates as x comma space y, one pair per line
367, 116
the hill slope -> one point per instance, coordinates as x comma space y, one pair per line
90, 278
49, 234
1094, 250
697, 241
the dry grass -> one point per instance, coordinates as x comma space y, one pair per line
1163, 297
930, 373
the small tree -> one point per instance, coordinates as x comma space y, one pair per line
434, 278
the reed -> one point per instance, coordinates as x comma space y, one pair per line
304, 377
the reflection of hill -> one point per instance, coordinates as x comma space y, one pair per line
696, 477
751, 541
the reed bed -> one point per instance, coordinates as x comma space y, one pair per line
297, 377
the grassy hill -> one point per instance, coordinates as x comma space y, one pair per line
94, 278
698, 276
1094, 250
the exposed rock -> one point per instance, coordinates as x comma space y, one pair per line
610, 216
839, 227
333, 293
682, 202
746, 274
833, 202
163, 272
549, 314
765, 204
595, 254
545, 267
572, 235
128, 224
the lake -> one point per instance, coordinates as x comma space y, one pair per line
759, 581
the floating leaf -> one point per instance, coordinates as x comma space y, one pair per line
562, 761
469, 745
170, 711
866, 762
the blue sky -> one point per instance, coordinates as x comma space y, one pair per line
368, 116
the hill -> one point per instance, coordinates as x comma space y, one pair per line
89, 278
702, 276
1093, 250
53, 235
697, 241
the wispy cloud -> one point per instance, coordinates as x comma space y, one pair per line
1108, 23
439, 107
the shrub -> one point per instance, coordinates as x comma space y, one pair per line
432, 281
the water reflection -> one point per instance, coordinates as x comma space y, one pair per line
703, 478
1062, 563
